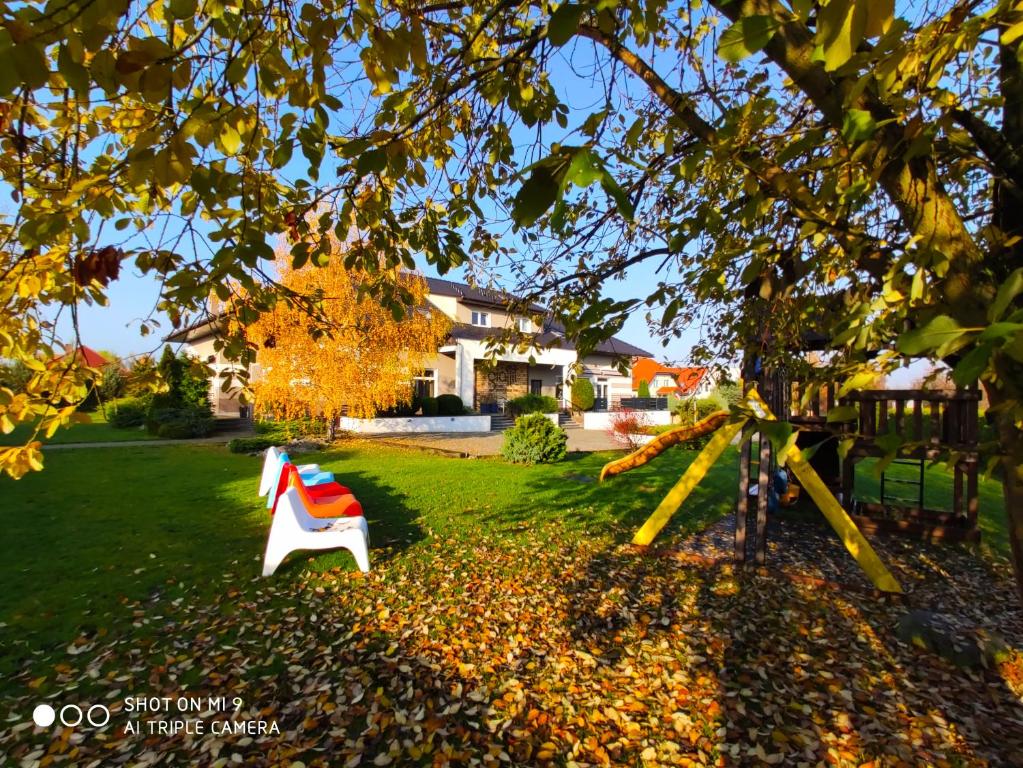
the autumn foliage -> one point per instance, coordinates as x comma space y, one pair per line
352, 356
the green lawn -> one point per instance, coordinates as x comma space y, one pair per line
501, 617
100, 525
96, 430
938, 495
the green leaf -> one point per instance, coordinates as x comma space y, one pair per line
969, 369
230, 139
31, 64
843, 413
839, 30
746, 36
536, 195
564, 23
612, 188
183, 9
373, 161
1007, 291
1000, 332
858, 125
940, 333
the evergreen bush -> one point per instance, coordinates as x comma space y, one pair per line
450, 405
534, 440
582, 394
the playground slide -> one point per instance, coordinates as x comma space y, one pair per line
662, 442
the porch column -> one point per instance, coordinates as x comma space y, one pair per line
465, 376
566, 394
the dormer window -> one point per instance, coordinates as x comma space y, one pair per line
481, 319
525, 325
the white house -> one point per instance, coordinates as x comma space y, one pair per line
542, 360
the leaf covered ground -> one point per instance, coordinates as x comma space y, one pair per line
504, 639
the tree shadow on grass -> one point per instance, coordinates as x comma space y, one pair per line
569, 492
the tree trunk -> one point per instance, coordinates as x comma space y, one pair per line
1010, 442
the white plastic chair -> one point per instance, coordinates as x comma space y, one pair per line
293, 529
272, 469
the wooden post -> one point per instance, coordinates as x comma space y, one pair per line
742, 503
958, 509
763, 481
972, 495
918, 420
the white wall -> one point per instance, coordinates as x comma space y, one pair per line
409, 424
602, 419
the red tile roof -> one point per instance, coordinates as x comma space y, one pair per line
88, 356
686, 379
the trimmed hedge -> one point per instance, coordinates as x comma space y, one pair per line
180, 423
534, 440
450, 405
583, 396
532, 404
250, 444
129, 413
430, 406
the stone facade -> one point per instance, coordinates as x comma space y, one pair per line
501, 382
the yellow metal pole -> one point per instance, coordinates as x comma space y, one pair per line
844, 526
689, 480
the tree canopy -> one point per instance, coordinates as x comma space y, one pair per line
360, 359
851, 167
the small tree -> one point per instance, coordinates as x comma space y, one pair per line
141, 377
644, 389
582, 394
353, 354
534, 439
627, 428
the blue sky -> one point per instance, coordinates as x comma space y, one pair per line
133, 297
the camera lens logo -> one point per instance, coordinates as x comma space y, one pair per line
71, 715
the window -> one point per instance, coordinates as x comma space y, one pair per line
425, 384
525, 325
535, 387
481, 319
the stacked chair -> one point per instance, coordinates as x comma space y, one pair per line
309, 511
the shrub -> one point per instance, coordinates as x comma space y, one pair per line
179, 423
691, 411
644, 389
582, 394
626, 425
534, 440
128, 413
450, 405
430, 406
532, 404
142, 374
250, 444
113, 383
408, 408
287, 429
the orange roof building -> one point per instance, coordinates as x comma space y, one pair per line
664, 379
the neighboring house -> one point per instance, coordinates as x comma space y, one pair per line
86, 356
665, 380
542, 361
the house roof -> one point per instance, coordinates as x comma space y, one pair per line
613, 346
481, 296
198, 329
87, 355
553, 334
686, 379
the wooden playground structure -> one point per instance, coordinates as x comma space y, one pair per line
830, 436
